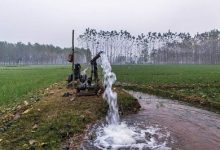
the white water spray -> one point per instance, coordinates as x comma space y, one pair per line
109, 95
116, 134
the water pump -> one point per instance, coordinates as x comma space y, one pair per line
84, 85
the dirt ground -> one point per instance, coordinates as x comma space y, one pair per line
51, 120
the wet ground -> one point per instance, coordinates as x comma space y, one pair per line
161, 124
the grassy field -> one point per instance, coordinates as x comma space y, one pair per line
15, 82
198, 81
199, 84
52, 120
168, 74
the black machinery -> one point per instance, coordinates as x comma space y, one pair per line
84, 85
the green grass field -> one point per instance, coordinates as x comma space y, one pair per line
53, 120
198, 81
168, 74
49, 122
16, 82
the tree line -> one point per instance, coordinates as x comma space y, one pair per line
122, 47
20, 53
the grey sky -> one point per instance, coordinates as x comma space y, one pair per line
51, 21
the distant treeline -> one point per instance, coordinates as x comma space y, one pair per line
19, 53
122, 47
154, 47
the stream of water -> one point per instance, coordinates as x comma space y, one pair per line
110, 96
161, 124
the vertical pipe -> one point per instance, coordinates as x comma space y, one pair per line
73, 50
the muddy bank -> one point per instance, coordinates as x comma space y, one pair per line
52, 120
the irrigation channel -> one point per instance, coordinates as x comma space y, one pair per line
160, 124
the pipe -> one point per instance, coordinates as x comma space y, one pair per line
73, 51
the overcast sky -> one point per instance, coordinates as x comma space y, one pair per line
51, 21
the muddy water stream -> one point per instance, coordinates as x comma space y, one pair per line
160, 124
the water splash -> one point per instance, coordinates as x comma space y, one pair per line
127, 136
84, 71
109, 95
116, 134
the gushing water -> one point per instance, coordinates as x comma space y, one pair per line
116, 134
128, 135
109, 95
160, 125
